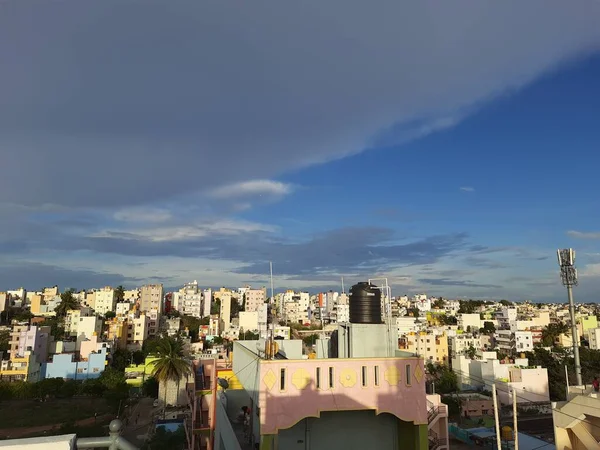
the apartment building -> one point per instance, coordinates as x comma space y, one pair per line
507, 318
254, 298
105, 300
510, 342
188, 300
459, 344
225, 312
50, 292
470, 322
86, 328
151, 297
433, 348
137, 331
344, 402
72, 319
206, 302
530, 382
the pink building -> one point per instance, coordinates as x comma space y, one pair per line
333, 403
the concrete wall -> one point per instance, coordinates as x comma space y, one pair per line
225, 438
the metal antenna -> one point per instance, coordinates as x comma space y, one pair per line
568, 275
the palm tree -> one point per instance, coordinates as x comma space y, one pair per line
120, 293
170, 363
67, 302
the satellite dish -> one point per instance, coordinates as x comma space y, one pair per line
223, 383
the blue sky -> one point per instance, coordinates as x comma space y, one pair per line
450, 152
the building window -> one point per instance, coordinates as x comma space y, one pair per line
96, 370
79, 370
363, 377
376, 375
484, 412
408, 378
282, 380
331, 378
318, 378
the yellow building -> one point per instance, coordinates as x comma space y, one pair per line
585, 324
135, 375
117, 332
21, 368
433, 348
36, 303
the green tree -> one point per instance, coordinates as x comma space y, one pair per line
22, 315
471, 352
506, 303
68, 389
488, 327
447, 320
120, 293
414, 312
121, 359
193, 326
215, 308
249, 336
109, 315
439, 303
205, 320
310, 340
4, 339
552, 331
447, 383
138, 357
150, 346
150, 387
57, 329
170, 363
163, 439
67, 302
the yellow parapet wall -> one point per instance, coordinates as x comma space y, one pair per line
227, 374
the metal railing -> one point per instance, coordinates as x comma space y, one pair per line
113, 441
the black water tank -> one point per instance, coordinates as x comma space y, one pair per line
365, 303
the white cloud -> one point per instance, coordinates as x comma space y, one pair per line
252, 188
249, 90
467, 189
142, 215
180, 233
590, 270
584, 234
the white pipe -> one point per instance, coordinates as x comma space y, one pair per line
496, 418
516, 432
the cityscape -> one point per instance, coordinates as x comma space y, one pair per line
334, 225
177, 368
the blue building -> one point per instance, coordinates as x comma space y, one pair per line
63, 366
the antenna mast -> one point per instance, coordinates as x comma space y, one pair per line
272, 330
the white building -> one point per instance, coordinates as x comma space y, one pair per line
530, 383
342, 313
86, 328
507, 318
122, 308
254, 298
594, 334
151, 297
105, 300
206, 302
72, 319
188, 301
248, 320
470, 322
407, 325
137, 331
459, 344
